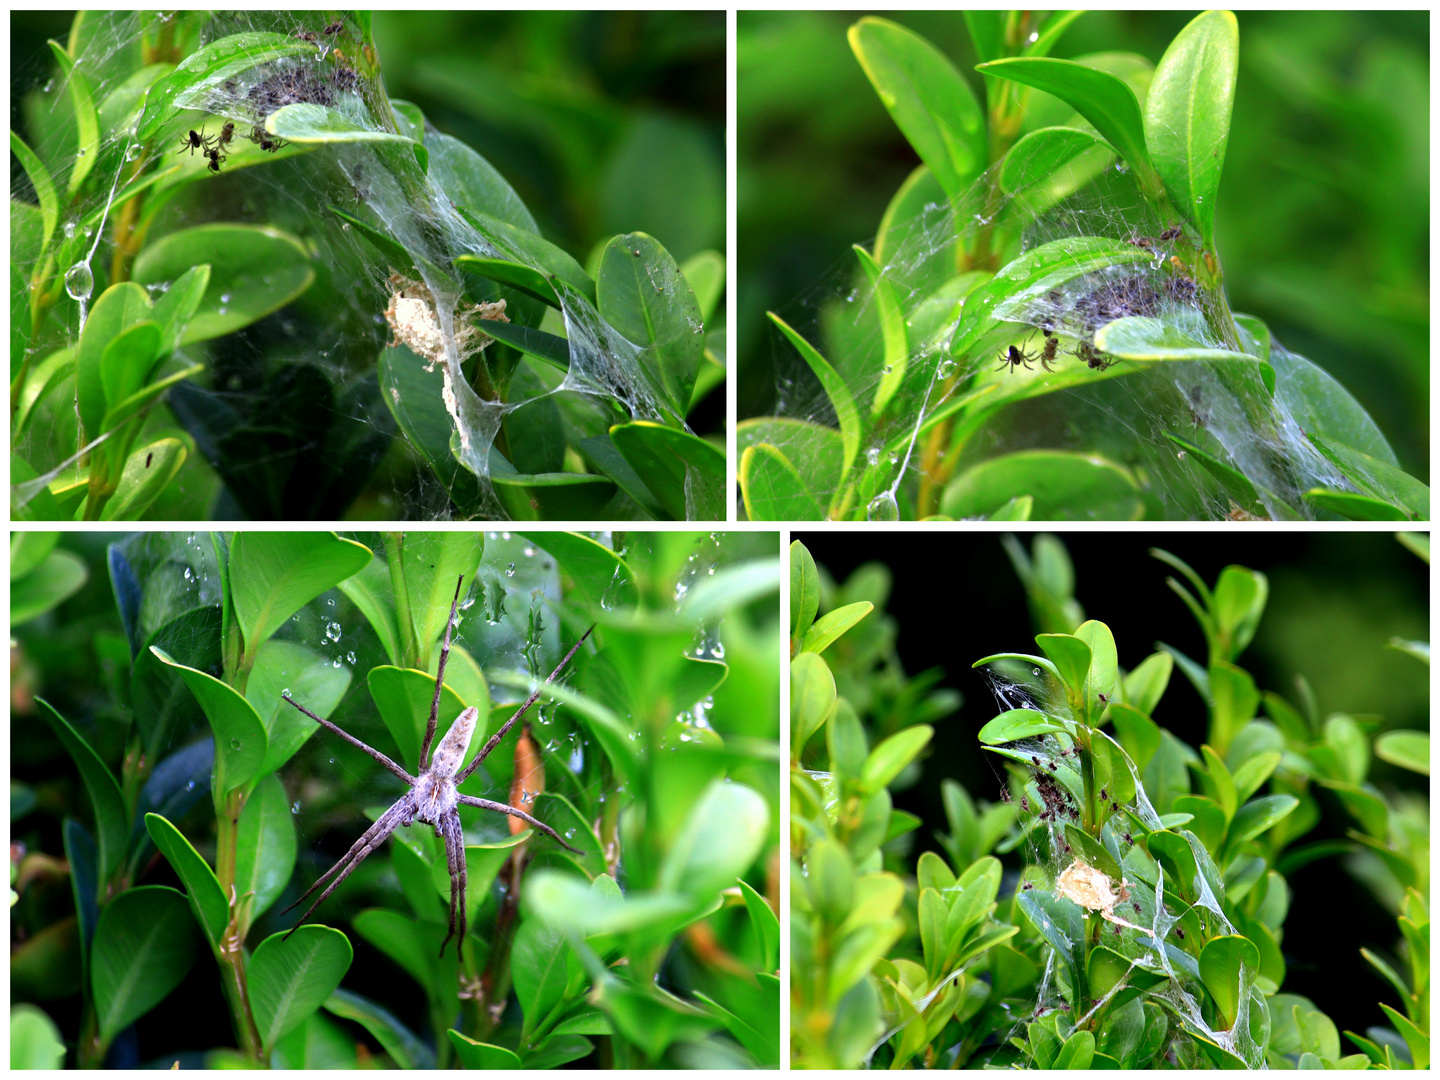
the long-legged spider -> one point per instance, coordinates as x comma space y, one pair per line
434, 796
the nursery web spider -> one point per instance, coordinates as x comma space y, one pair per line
434, 795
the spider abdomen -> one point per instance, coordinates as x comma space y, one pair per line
450, 754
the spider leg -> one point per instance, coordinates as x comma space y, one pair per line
494, 740
455, 855
502, 808
439, 681
376, 754
374, 836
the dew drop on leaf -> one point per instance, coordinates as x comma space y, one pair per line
234, 744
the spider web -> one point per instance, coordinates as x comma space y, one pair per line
1039, 778
342, 336
1125, 416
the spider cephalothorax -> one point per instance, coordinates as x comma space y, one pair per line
434, 795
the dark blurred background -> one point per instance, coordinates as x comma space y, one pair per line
1336, 599
1323, 221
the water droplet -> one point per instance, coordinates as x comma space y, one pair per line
189, 785
1036, 672
872, 455
295, 807
888, 369
883, 508
510, 570
332, 631
79, 281
235, 744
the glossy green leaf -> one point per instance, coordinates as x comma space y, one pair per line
804, 590
705, 271
558, 269
118, 308
254, 270
407, 941
1407, 749
773, 489
1077, 1053
44, 187
1061, 922
319, 1043
1066, 486
1415, 1038
1320, 405
565, 900
274, 574
561, 496
1187, 114
240, 740
290, 976
1221, 961
87, 121
313, 680
891, 756
1101, 98
1144, 338
686, 473
1258, 815
835, 389
831, 626
145, 943
220, 59
111, 821
1071, 657
147, 473
468, 180
551, 348
1356, 507
52, 372
403, 697
642, 294
1038, 155
123, 410
1235, 483
202, 887
538, 966
600, 573
265, 845
1018, 724
892, 328
127, 360
478, 1055
398, 1040
1377, 478
928, 99
433, 564
1146, 684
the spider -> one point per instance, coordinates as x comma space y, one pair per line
196, 140
1097, 360
434, 794
259, 135
1172, 233
1014, 357
215, 159
1051, 344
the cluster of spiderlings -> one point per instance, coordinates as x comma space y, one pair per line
1057, 801
1117, 299
296, 85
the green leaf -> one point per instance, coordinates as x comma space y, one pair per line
145, 943
216, 61
177, 306
398, 1040
1038, 155
468, 180
147, 473
1187, 115
1065, 486
127, 360
403, 697
686, 473
240, 740
1236, 484
274, 574
888, 759
478, 1055
1416, 1039
1077, 1053
124, 410
812, 698
433, 563
830, 627
558, 269
538, 966
1018, 724
35, 1041
1356, 507
1143, 338
203, 891
1071, 657
44, 188
551, 348
601, 574
87, 121
265, 844
642, 294
60, 576
1376, 477
1408, 749
119, 307
1145, 686
564, 900
1221, 961
773, 489
892, 326
804, 590
290, 978
1101, 98
254, 270
111, 821
705, 271
560, 496
312, 679
835, 389
928, 99
724, 833
767, 927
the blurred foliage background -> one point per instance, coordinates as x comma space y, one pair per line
1336, 600
1324, 214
